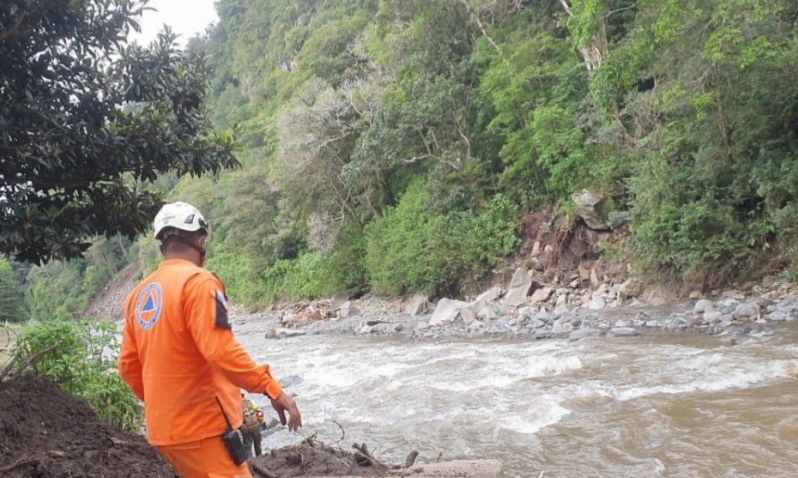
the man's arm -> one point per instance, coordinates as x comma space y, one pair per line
130, 368
205, 309
206, 316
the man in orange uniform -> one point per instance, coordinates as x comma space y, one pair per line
180, 358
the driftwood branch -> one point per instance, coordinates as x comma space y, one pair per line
411, 459
343, 432
261, 470
7, 369
366, 455
31, 360
21, 461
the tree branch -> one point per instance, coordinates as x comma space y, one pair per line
417, 158
622, 9
14, 31
567, 8
481, 27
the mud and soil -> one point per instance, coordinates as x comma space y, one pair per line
48, 433
313, 458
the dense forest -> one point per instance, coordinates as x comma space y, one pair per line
397, 145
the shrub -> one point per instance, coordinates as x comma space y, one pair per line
239, 276
411, 248
398, 245
83, 364
307, 277
468, 246
683, 230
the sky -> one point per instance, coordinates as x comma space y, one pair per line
186, 17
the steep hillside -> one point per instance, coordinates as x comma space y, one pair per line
109, 303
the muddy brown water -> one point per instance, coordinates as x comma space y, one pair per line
658, 405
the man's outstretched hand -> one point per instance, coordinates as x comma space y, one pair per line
284, 403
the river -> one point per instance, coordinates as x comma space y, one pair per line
656, 405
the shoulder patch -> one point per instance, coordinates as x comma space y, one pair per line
221, 310
149, 304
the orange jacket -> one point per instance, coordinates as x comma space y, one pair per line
179, 355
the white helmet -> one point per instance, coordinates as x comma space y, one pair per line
181, 216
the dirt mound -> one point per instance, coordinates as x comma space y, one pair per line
48, 433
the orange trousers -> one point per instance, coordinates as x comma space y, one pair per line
206, 458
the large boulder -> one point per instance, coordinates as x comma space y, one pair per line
417, 305
541, 295
519, 288
347, 310
446, 311
468, 315
489, 295
632, 287
594, 208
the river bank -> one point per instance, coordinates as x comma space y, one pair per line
608, 310
588, 300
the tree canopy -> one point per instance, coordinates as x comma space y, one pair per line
87, 122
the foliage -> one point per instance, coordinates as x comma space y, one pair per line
470, 246
242, 282
86, 122
392, 144
83, 364
12, 301
414, 249
398, 245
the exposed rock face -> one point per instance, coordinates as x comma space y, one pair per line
109, 304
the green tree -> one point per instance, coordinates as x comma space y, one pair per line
86, 122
